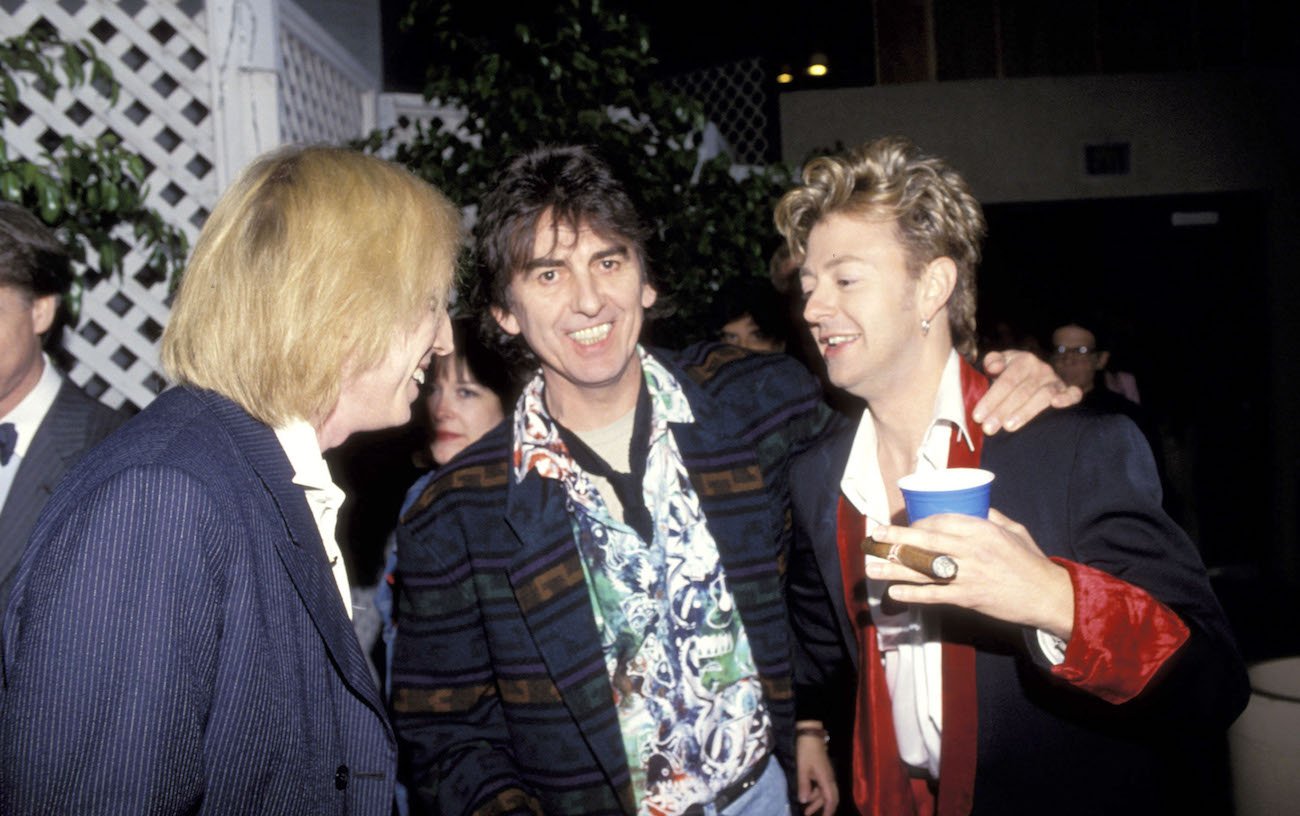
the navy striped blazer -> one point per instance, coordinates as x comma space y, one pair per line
501, 698
175, 642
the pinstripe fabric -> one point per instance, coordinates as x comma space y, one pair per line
175, 641
500, 693
73, 425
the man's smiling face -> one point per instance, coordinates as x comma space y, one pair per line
579, 303
861, 303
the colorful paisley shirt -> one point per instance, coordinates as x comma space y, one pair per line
689, 701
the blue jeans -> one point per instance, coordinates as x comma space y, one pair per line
768, 797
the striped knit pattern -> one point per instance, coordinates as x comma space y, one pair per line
501, 698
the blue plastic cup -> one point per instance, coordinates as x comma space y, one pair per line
954, 490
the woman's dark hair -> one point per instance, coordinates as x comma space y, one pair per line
756, 297
485, 363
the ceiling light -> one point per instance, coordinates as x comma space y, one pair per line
818, 65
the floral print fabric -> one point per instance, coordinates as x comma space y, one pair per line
689, 701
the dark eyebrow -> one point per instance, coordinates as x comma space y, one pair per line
620, 249
538, 263
541, 263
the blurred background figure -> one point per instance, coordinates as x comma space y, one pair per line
376, 468
1079, 359
469, 395
749, 312
46, 422
1076, 357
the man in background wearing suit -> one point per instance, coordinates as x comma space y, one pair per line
46, 422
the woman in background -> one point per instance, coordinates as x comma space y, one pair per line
468, 396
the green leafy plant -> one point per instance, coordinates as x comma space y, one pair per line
583, 73
86, 192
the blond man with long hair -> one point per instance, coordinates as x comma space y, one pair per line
178, 639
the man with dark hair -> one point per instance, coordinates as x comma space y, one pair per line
749, 312
46, 422
591, 606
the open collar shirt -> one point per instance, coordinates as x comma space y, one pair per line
688, 695
908, 638
324, 498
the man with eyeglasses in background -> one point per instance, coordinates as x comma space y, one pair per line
1078, 358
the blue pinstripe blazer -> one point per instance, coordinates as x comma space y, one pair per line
175, 642
501, 699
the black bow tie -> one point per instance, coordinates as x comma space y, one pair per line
8, 442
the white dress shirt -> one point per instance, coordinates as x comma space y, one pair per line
27, 417
908, 639
298, 439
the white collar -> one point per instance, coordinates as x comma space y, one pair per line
862, 482
949, 410
28, 414
298, 438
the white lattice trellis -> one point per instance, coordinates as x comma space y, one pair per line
173, 59
733, 96
325, 95
157, 53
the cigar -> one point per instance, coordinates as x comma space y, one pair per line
936, 565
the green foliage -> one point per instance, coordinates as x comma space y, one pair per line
86, 192
581, 73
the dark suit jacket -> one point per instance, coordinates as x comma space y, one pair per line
175, 642
74, 424
501, 697
1085, 487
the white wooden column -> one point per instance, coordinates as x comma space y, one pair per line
244, 48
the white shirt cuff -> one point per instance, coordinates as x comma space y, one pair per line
1052, 646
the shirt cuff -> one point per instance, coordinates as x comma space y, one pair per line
1122, 635
1052, 647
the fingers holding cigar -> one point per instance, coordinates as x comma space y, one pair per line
937, 566
1003, 573
935, 550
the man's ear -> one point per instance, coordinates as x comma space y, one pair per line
44, 308
1102, 359
935, 285
505, 320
